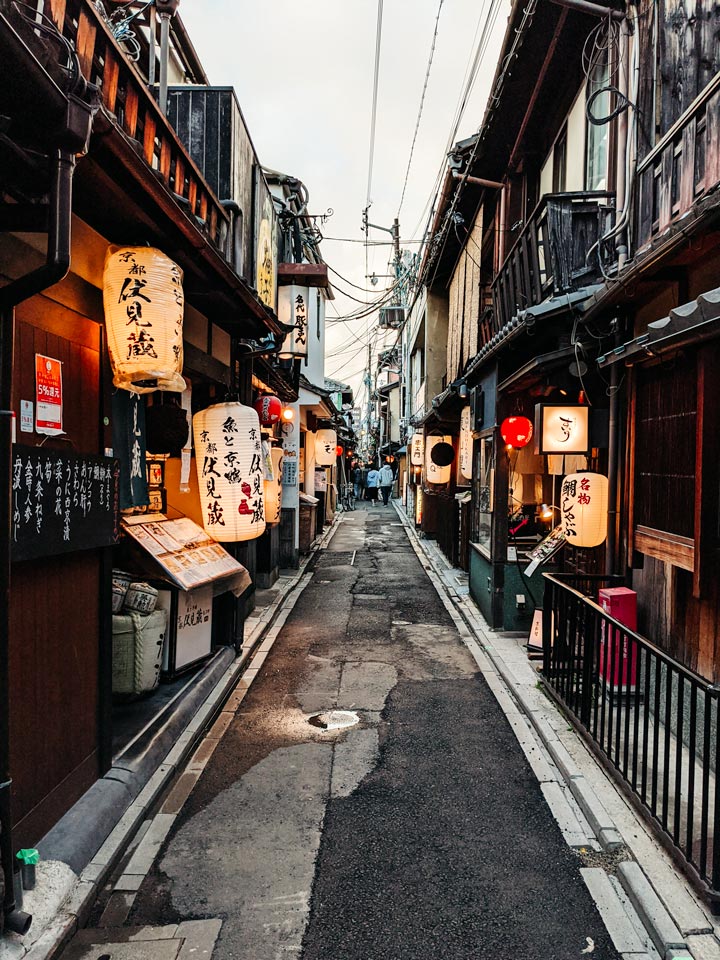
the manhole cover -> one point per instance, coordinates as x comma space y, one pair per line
334, 719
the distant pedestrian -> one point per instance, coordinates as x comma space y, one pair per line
358, 478
386, 480
371, 487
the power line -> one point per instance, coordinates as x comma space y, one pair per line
422, 104
373, 117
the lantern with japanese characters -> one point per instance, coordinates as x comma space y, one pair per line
144, 305
325, 444
516, 431
273, 488
584, 509
228, 457
466, 443
268, 409
417, 449
293, 310
438, 469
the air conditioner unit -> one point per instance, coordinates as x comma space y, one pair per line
391, 317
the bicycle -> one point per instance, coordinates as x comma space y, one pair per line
347, 498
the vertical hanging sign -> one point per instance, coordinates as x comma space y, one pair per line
48, 395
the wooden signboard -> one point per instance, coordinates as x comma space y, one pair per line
62, 502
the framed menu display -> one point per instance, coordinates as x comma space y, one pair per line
183, 550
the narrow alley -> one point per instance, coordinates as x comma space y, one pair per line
419, 832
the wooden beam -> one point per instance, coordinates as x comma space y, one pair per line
306, 274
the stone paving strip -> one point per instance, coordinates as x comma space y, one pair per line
74, 907
644, 923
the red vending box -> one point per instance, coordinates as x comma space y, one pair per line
618, 656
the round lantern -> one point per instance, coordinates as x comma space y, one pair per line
466, 443
325, 444
436, 472
273, 488
417, 449
144, 305
228, 457
584, 509
339, 451
268, 409
516, 431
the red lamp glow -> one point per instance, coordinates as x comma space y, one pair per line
339, 450
268, 409
516, 431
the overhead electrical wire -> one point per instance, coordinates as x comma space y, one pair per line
373, 115
422, 104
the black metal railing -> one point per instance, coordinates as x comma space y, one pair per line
654, 721
556, 252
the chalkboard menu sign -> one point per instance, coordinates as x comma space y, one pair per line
62, 502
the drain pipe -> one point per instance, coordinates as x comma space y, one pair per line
613, 439
57, 264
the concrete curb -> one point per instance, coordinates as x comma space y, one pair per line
656, 919
74, 912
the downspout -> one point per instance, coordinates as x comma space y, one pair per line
56, 266
613, 439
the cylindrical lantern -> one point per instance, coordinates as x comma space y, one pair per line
293, 309
268, 409
516, 431
584, 509
325, 444
273, 488
434, 473
228, 456
144, 304
417, 449
466, 443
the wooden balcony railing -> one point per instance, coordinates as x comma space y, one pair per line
126, 96
556, 253
682, 167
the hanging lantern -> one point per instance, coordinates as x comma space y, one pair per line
228, 456
437, 472
516, 431
325, 444
268, 409
466, 443
584, 509
144, 304
339, 451
293, 309
273, 488
417, 449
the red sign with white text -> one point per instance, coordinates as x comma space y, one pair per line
48, 395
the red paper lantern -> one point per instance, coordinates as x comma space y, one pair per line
516, 431
339, 450
268, 409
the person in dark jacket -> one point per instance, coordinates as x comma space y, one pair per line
358, 479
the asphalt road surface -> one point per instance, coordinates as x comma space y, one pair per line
419, 833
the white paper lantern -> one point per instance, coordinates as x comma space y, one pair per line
294, 310
273, 488
325, 444
228, 456
466, 443
433, 472
144, 306
417, 449
584, 509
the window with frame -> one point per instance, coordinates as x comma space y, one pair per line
483, 489
598, 135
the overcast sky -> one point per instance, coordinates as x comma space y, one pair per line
303, 73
